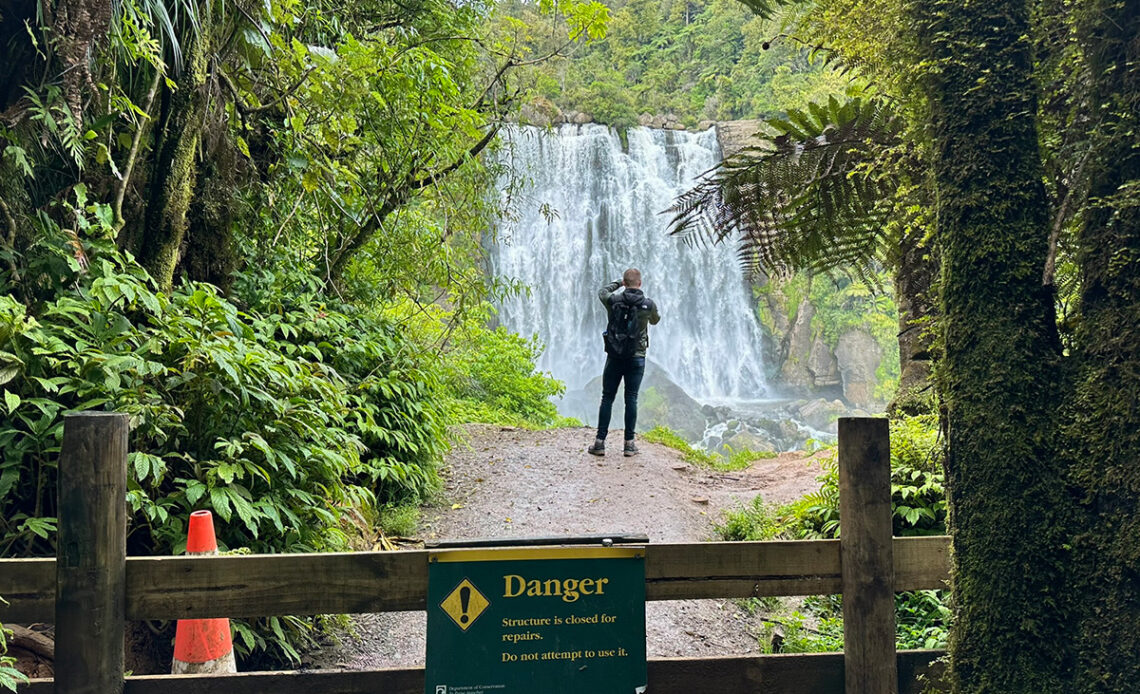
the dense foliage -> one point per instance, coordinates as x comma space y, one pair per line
257, 231
693, 59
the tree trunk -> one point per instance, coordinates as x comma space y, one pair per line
1000, 380
914, 282
1105, 426
174, 170
210, 255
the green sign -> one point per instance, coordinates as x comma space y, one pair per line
551, 620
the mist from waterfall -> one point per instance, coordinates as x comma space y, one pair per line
589, 211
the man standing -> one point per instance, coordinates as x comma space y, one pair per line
630, 313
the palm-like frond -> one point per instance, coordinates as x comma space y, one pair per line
767, 8
808, 198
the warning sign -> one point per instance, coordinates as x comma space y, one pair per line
572, 619
464, 604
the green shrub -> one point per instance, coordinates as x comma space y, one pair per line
757, 521
277, 418
488, 375
400, 521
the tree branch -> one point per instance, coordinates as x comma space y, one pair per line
121, 188
1050, 272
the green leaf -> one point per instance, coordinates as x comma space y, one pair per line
11, 400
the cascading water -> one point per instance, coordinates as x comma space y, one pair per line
589, 211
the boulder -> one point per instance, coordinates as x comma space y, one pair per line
705, 125
645, 120
583, 118
661, 403
748, 440
822, 414
858, 356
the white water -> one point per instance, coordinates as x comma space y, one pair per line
607, 206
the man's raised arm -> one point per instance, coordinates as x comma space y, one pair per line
608, 291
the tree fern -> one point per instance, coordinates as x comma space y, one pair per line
813, 195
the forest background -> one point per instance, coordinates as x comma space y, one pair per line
259, 231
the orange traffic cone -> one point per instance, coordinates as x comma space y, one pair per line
202, 645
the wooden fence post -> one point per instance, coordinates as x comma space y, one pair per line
865, 555
91, 559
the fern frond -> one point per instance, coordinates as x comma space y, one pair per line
811, 197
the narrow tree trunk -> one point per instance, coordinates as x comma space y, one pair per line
174, 170
1000, 380
1106, 422
914, 280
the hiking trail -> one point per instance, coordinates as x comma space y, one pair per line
507, 482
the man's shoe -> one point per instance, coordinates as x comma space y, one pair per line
599, 447
630, 449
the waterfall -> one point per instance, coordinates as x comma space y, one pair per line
588, 210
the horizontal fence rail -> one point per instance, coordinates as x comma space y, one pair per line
92, 587
814, 673
282, 584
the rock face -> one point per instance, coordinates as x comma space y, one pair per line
822, 365
540, 112
797, 347
735, 135
858, 356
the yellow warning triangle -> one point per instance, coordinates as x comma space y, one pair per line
464, 604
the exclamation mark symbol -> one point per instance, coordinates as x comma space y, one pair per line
464, 601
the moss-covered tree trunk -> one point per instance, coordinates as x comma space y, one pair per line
174, 169
1106, 422
210, 254
1000, 378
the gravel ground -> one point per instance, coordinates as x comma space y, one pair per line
504, 482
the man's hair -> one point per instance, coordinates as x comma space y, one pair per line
631, 277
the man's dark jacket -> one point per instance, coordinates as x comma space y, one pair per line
646, 312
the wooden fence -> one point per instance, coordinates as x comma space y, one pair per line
92, 588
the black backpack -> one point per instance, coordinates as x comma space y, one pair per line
621, 332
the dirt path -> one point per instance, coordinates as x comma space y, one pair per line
510, 482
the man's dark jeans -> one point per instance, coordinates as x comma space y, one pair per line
617, 369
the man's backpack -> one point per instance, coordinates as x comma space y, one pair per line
621, 336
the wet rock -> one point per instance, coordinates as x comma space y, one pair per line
660, 403
540, 112
748, 440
